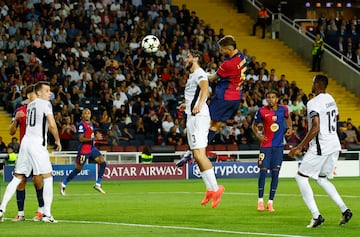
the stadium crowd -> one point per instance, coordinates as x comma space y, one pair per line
90, 52
341, 34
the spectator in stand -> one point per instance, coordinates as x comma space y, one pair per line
174, 137
262, 17
351, 136
14, 144
317, 52
67, 132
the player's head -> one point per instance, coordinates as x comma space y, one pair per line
319, 84
30, 92
194, 57
42, 90
227, 45
272, 98
86, 114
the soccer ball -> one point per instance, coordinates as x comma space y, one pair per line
150, 44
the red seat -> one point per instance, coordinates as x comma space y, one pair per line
183, 147
118, 148
130, 148
232, 147
105, 148
220, 147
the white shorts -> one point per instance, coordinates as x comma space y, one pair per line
314, 165
197, 128
33, 158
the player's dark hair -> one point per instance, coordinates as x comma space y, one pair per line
196, 54
272, 92
227, 40
29, 89
321, 79
39, 84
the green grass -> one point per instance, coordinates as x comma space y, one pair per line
172, 208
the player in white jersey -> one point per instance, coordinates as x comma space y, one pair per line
33, 154
324, 147
198, 123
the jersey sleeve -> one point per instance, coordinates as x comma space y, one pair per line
48, 108
201, 77
257, 117
223, 70
313, 109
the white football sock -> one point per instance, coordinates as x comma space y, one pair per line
308, 195
332, 192
48, 195
210, 180
9, 192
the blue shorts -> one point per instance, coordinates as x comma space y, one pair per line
82, 158
271, 157
223, 110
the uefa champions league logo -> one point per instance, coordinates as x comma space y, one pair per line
196, 171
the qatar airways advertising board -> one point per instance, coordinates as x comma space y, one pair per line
143, 172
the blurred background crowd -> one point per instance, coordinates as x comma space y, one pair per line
90, 52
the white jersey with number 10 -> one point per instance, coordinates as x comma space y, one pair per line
36, 122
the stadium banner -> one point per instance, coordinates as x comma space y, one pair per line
343, 168
143, 171
228, 170
88, 173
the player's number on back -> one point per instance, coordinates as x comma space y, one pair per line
30, 119
331, 120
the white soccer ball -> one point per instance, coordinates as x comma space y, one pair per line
150, 44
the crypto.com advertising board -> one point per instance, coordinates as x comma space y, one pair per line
228, 170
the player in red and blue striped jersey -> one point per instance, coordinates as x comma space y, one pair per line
230, 76
87, 150
276, 123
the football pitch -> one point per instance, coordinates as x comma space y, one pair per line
172, 208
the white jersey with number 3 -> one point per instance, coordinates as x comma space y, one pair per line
36, 122
327, 140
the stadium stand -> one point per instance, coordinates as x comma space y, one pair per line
96, 80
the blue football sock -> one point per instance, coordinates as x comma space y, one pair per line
261, 183
71, 176
101, 172
39, 195
211, 136
20, 199
274, 183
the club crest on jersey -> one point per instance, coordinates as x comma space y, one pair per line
274, 118
274, 127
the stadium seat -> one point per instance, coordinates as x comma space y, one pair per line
219, 147
222, 158
232, 147
130, 148
163, 149
117, 148
105, 148
140, 148
243, 147
183, 147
